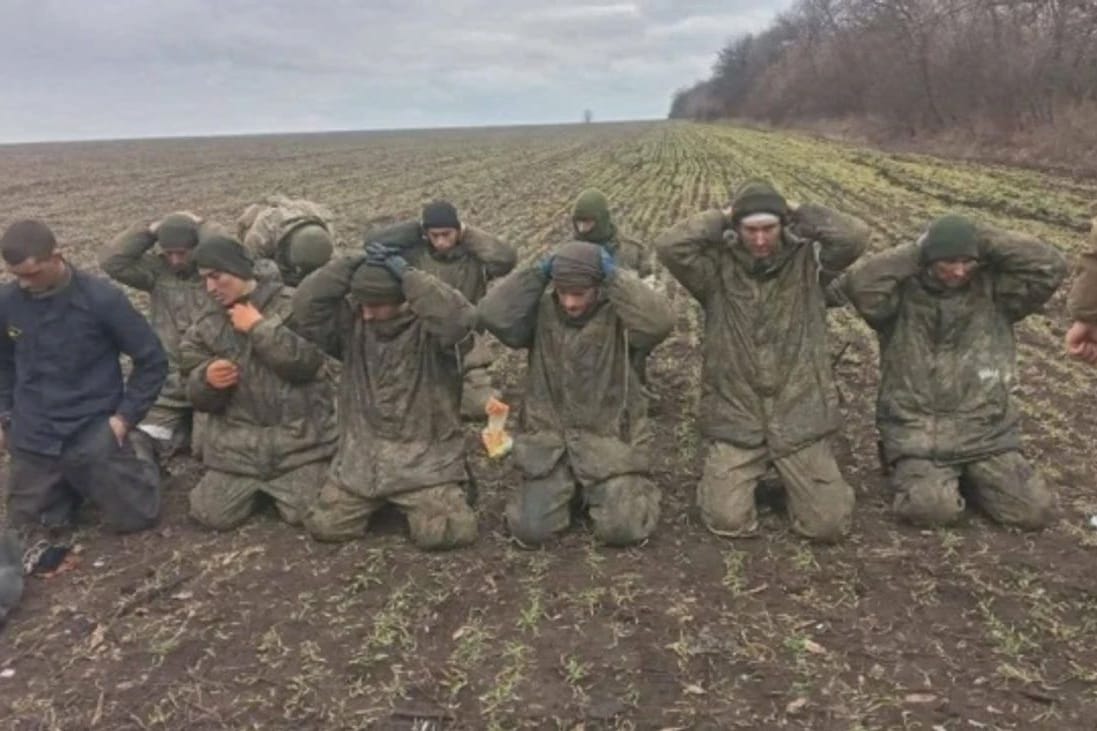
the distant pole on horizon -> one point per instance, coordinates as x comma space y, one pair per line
588, 116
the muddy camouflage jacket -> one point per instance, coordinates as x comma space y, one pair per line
280, 416
583, 395
175, 300
632, 255
264, 229
1083, 295
947, 356
399, 415
468, 267
766, 374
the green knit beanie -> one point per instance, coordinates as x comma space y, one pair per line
309, 247
224, 254
592, 205
950, 237
373, 284
757, 196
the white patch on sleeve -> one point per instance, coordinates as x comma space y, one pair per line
989, 374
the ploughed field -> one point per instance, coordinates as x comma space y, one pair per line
967, 628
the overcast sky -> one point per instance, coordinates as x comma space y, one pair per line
75, 69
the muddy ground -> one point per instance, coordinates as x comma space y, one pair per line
974, 627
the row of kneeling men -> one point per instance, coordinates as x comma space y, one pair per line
391, 338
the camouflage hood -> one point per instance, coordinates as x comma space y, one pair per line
593, 205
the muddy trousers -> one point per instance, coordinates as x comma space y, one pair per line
166, 430
222, 500
439, 517
1004, 486
476, 387
819, 500
623, 509
47, 491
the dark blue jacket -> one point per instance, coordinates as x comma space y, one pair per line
59, 366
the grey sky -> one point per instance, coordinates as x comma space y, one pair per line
124, 68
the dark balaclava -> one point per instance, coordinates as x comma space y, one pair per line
593, 205
224, 254
949, 237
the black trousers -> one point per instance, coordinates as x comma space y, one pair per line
47, 491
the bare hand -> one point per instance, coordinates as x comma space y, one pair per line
222, 374
1081, 342
120, 428
728, 211
245, 316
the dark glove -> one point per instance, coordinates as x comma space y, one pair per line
609, 264
397, 265
376, 252
545, 266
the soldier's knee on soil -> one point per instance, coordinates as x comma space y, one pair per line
527, 528
830, 516
628, 515
325, 526
210, 517
442, 530
729, 518
1037, 512
928, 504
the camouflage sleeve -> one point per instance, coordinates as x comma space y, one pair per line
497, 256
872, 287
247, 218
320, 310
1082, 302
509, 310
841, 238
646, 314
405, 234
636, 256
291, 356
129, 261
262, 236
685, 250
194, 357
1026, 270
444, 311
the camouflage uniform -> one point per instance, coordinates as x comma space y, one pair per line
275, 430
400, 436
584, 424
265, 229
175, 301
947, 362
478, 259
767, 390
627, 252
1082, 302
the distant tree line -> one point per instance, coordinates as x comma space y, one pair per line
916, 65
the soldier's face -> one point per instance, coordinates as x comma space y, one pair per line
585, 225
177, 259
382, 313
443, 239
760, 239
226, 289
576, 301
38, 276
954, 273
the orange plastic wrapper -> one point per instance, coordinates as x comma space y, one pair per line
496, 440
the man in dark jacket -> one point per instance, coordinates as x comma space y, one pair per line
65, 408
466, 258
585, 425
945, 308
